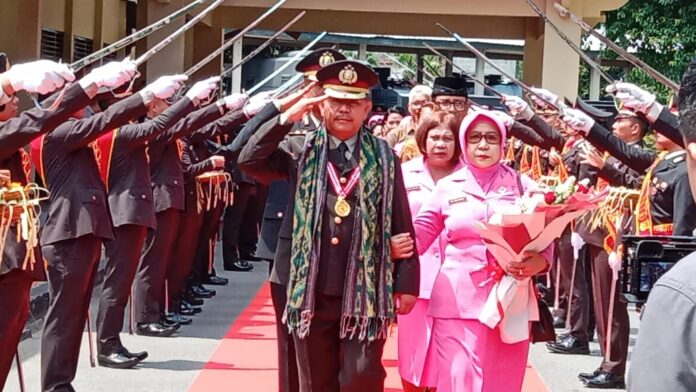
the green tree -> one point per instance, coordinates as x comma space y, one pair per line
662, 33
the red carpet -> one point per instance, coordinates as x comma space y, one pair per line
246, 357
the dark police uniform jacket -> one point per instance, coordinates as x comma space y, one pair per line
263, 159
78, 203
166, 176
127, 169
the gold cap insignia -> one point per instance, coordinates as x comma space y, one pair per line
326, 59
348, 75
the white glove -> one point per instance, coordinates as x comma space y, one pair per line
165, 86
634, 98
43, 76
519, 107
202, 90
257, 102
547, 95
111, 75
505, 118
235, 101
578, 120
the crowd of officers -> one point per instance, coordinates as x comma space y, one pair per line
144, 177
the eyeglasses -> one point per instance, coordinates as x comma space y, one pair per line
459, 106
475, 138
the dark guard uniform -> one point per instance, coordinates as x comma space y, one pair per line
167, 181
15, 281
78, 221
124, 167
327, 362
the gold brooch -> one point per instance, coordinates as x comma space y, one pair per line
326, 59
348, 75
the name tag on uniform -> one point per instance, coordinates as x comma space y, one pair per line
413, 188
457, 200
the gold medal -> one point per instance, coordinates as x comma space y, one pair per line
342, 208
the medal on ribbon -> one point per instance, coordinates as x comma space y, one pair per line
342, 189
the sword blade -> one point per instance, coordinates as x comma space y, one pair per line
234, 39
133, 38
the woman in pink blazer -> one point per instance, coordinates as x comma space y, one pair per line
436, 137
471, 356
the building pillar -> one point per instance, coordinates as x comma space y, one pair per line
419, 68
208, 36
171, 59
448, 65
532, 66
362, 52
480, 75
237, 73
20, 18
561, 65
594, 84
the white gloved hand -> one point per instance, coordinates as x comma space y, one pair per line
547, 95
505, 118
634, 97
578, 120
519, 107
235, 101
202, 90
257, 102
111, 75
165, 86
42, 76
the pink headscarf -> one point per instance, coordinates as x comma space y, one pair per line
484, 176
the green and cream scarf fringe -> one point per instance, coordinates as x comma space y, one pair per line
367, 308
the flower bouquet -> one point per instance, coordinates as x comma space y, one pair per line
529, 225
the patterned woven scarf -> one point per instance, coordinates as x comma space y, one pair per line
367, 308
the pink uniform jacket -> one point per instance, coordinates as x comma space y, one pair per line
463, 283
420, 186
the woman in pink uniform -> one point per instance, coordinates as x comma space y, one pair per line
471, 356
436, 137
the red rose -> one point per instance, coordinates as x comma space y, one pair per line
582, 188
549, 197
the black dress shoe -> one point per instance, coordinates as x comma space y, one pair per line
588, 376
215, 280
189, 310
238, 265
193, 300
558, 322
606, 380
177, 318
155, 330
569, 345
170, 323
201, 291
249, 257
116, 361
140, 356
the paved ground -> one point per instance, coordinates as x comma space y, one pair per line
175, 362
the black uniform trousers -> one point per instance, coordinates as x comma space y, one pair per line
15, 286
288, 379
620, 327
122, 256
149, 282
580, 320
356, 368
72, 267
561, 272
204, 256
183, 255
240, 228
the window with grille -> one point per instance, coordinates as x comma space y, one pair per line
52, 42
82, 47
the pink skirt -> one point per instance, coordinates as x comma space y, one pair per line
472, 358
417, 361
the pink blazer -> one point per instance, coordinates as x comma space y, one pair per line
420, 186
462, 284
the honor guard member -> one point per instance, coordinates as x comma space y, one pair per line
18, 269
194, 229
167, 182
78, 220
665, 207
123, 166
662, 359
349, 201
